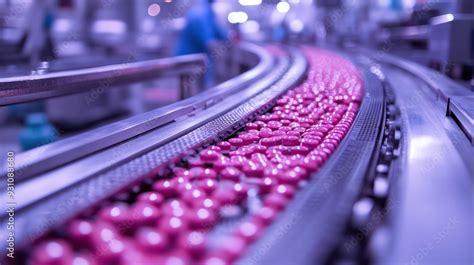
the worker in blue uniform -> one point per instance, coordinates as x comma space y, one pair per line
200, 33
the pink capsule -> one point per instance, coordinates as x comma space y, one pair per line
225, 196
142, 213
236, 142
208, 186
274, 125
252, 169
81, 259
238, 161
215, 260
107, 244
224, 145
299, 150
151, 197
53, 252
209, 155
115, 214
284, 189
276, 201
231, 173
173, 226
175, 208
176, 257
165, 187
232, 248
249, 231
152, 240
290, 140
202, 218
310, 143
285, 129
221, 164
240, 191
194, 242
80, 231
265, 216
207, 203
209, 173
189, 196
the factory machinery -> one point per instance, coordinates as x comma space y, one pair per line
312, 156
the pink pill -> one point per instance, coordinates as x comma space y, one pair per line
249, 231
173, 226
208, 185
208, 173
285, 190
224, 145
253, 170
265, 216
240, 191
209, 155
221, 164
231, 173
115, 214
143, 213
108, 246
225, 196
265, 133
299, 150
236, 142
232, 248
276, 201
310, 142
290, 140
165, 187
194, 242
214, 259
151, 197
152, 240
202, 218
53, 252
189, 196
80, 231
174, 208
207, 203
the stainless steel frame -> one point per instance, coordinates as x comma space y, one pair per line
55, 154
32, 87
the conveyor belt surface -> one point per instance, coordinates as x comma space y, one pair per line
209, 205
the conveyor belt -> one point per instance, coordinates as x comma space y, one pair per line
308, 230
50, 210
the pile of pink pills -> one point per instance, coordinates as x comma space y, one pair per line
221, 199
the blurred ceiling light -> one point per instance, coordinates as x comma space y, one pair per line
154, 10
295, 1
109, 26
250, 26
237, 17
168, 1
250, 2
283, 7
296, 25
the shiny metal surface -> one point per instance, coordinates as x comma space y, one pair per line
461, 109
80, 184
433, 197
40, 86
58, 153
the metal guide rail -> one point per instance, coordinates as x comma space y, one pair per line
101, 174
32, 87
48, 157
